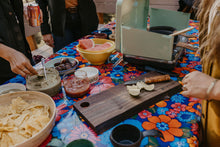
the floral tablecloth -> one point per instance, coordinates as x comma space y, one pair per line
177, 118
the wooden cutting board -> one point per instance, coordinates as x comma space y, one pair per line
106, 109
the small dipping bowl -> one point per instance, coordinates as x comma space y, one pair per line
50, 86
92, 73
76, 85
11, 87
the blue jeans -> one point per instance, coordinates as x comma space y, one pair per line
71, 34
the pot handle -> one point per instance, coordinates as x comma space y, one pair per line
152, 133
188, 46
182, 31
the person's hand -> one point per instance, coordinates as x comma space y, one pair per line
195, 84
20, 64
48, 39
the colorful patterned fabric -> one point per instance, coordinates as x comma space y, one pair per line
177, 118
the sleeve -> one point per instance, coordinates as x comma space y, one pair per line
45, 26
1, 40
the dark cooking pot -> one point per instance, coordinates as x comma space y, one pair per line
166, 30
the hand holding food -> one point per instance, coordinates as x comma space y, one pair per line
20, 64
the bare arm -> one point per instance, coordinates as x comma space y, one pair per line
19, 62
196, 85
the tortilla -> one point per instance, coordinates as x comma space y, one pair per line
21, 120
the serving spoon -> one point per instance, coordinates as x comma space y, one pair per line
45, 74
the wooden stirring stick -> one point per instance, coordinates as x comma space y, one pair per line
181, 31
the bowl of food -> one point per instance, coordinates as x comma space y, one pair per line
96, 51
35, 118
49, 84
63, 64
76, 83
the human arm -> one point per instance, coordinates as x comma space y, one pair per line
196, 84
19, 62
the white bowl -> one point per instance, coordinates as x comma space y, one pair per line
37, 139
56, 60
11, 87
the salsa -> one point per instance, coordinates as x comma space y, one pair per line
76, 87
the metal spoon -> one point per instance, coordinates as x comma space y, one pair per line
43, 62
66, 101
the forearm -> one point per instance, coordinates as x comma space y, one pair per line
6, 51
215, 92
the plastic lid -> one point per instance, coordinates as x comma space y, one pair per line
92, 73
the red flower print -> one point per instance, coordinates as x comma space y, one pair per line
104, 83
171, 113
144, 114
60, 111
192, 64
179, 107
131, 76
104, 68
194, 128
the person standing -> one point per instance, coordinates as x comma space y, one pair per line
206, 85
15, 54
69, 21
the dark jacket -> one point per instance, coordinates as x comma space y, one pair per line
86, 10
12, 33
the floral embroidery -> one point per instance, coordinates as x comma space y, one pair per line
178, 107
168, 127
172, 113
195, 128
185, 116
104, 83
193, 141
83, 132
179, 143
144, 114
130, 76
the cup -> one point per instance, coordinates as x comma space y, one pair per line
130, 136
80, 143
